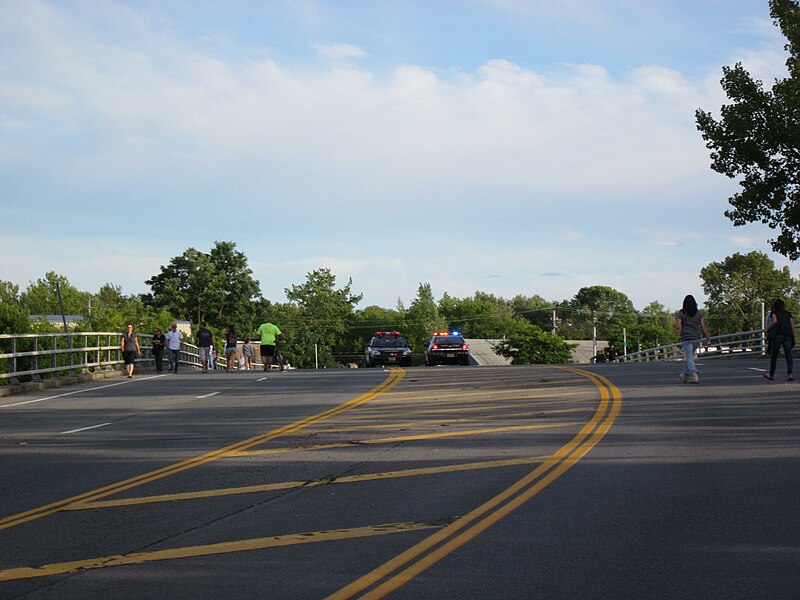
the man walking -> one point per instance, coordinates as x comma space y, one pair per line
269, 334
204, 341
173, 340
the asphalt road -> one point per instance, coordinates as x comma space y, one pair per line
609, 481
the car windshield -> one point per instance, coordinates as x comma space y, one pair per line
448, 340
389, 343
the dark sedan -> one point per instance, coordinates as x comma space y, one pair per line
447, 348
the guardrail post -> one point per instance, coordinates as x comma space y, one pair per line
35, 359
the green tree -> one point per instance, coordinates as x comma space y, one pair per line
13, 315
324, 313
422, 318
609, 309
217, 287
366, 322
738, 285
534, 309
482, 316
655, 326
529, 344
301, 340
110, 310
41, 297
758, 140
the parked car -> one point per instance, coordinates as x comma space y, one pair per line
387, 348
447, 347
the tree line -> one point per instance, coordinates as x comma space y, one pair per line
322, 320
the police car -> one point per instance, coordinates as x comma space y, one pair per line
447, 347
387, 348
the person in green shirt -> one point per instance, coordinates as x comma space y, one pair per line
269, 333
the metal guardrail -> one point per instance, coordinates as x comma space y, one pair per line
745, 342
43, 354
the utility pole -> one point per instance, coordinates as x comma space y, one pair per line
61, 303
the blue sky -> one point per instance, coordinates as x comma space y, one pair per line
507, 146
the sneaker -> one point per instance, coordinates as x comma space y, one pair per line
684, 378
768, 376
694, 378
790, 378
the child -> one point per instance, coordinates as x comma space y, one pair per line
247, 351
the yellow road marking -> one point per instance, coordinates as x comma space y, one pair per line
395, 573
395, 376
432, 422
523, 381
287, 485
406, 398
462, 409
211, 549
548, 467
405, 438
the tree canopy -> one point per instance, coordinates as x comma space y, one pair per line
757, 140
323, 325
529, 344
217, 287
738, 285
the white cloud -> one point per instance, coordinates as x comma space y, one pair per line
502, 123
340, 51
543, 171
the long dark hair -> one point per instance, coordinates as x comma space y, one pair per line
689, 306
778, 306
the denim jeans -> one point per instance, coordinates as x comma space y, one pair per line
173, 360
689, 348
778, 342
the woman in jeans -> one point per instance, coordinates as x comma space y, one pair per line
781, 335
691, 326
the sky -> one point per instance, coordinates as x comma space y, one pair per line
503, 146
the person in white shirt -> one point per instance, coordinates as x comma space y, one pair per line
173, 340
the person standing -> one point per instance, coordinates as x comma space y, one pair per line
158, 348
781, 333
269, 334
230, 349
204, 341
689, 323
173, 340
130, 348
247, 353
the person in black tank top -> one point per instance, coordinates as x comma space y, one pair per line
781, 333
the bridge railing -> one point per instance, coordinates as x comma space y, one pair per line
743, 343
38, 355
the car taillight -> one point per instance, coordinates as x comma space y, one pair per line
435, 347
464, 346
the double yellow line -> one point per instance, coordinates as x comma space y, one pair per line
407, 565
395, 376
